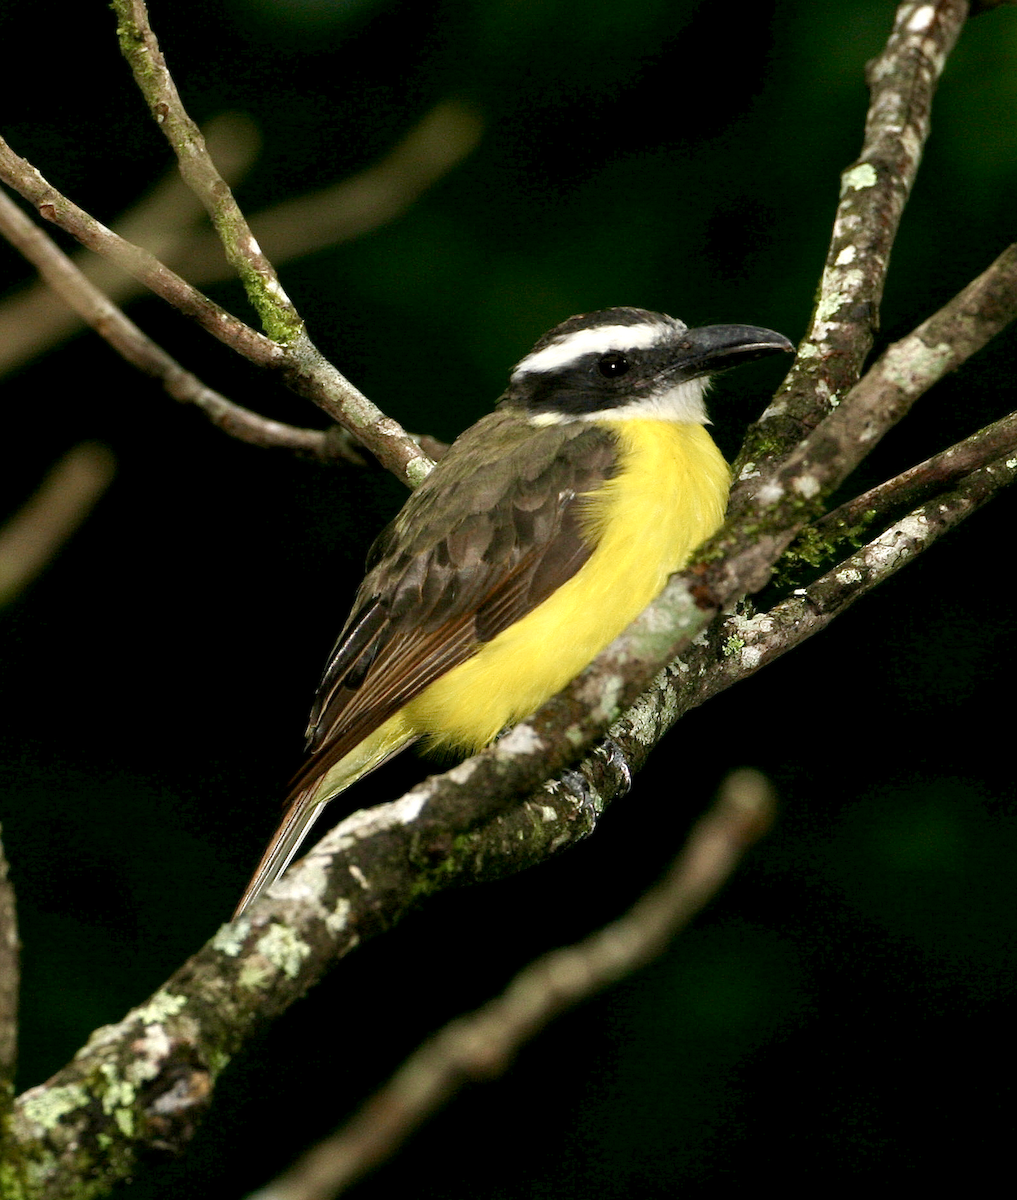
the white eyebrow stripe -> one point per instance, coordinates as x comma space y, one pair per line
591, 341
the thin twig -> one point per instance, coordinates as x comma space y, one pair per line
874, 189
351, 207
482, 1045
138, 43
19, 174
111, 323
10, 977
34, 535
164, 222
850, 520
303, 367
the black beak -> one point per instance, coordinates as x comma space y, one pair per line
716, 348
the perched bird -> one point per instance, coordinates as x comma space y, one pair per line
546, 528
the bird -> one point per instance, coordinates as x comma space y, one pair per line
543, 531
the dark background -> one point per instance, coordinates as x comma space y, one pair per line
842, 1010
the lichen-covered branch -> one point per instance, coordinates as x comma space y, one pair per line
147, 1080
849, 521
874, 189
481, 1045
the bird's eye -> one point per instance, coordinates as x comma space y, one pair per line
612, 364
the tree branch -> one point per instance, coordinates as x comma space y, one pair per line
151, 1074
139, 46
19, 174
164, 222
34, 535
303, 367
874, 189
482, 1045
138, 349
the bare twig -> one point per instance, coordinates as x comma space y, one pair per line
303, 367
163, 222
355, 206
35, 533
10, 976
138, 349
874, 189
19, 174
482, 1045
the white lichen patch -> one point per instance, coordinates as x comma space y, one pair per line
807, 486
229, 939
463, 772
303, 883
283, 949
359, 876
748, 472
338, 919
547, 814
150, 1051
911, 141
846, 256
888, 549
911, 365
848, 576
858, 178
779, 406
921, 19
162, 1005
770, 493
750, 657
367, 822
749, 628
830, 304
48, 1104
523, 739
602, 698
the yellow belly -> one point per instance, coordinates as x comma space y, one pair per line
667, 497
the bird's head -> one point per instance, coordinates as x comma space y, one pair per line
627, 362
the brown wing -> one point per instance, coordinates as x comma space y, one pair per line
491, 533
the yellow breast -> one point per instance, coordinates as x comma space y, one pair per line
667, 496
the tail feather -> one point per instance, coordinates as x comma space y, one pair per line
296, 824
308, 802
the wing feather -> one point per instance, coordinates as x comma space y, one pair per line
492, 532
